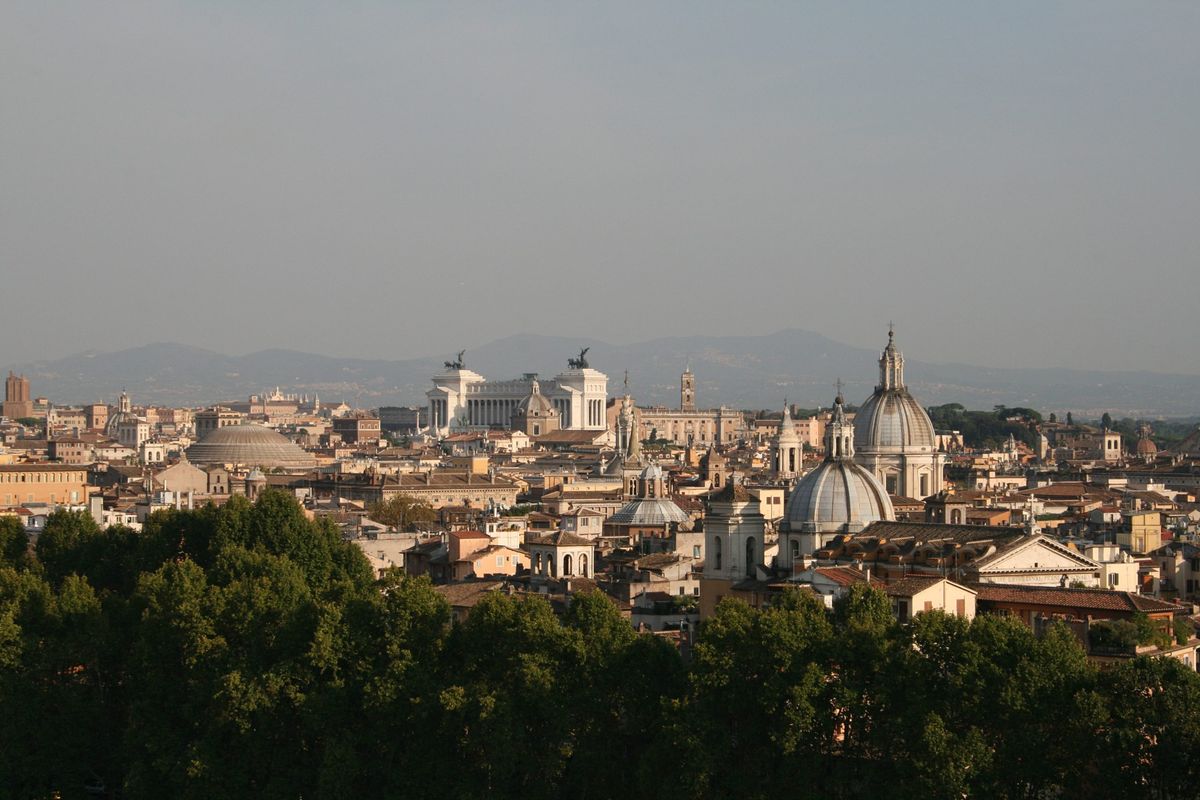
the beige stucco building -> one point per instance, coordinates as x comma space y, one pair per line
42, 483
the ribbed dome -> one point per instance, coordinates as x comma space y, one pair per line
649, 512
535, 404
892, 419
838, 496
248, 444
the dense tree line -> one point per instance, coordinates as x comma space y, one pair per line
247, 651
987, 428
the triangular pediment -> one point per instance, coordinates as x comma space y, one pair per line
1036, 553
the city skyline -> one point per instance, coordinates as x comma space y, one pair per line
1021, 172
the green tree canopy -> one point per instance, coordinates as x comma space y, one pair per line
402, 512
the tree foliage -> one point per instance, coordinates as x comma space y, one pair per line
402, 512
246, 651
987, 428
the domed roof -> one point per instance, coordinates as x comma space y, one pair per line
248, 444
651, 511
1146, 447
839, 495
891, 419
535, 404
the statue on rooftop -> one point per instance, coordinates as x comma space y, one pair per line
581, 362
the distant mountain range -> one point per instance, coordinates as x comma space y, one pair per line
739, 371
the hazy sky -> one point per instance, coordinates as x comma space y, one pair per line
1013, 183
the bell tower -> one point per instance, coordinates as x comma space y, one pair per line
789, 450
687, 390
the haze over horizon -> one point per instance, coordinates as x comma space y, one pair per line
1014, 184
470, 347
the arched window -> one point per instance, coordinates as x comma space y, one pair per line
750, 559
795, 550
583, 565
956, 516
716, 553
567, 565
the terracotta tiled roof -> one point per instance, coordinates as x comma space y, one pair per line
843, 576
562, 539
468, 535
914, 584
466, 595
656, 561
1084, 599
934, 532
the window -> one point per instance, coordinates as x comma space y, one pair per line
716, 553
695, 551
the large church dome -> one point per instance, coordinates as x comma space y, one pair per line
839, 496
250, 445
891, 420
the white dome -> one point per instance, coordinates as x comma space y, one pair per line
837, 496
892, 419
650, 512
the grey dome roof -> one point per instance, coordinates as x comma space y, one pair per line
892, 419
648, 511
535, 404
249, 444
840, 496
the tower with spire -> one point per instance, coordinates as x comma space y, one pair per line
687, 389
789, 449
